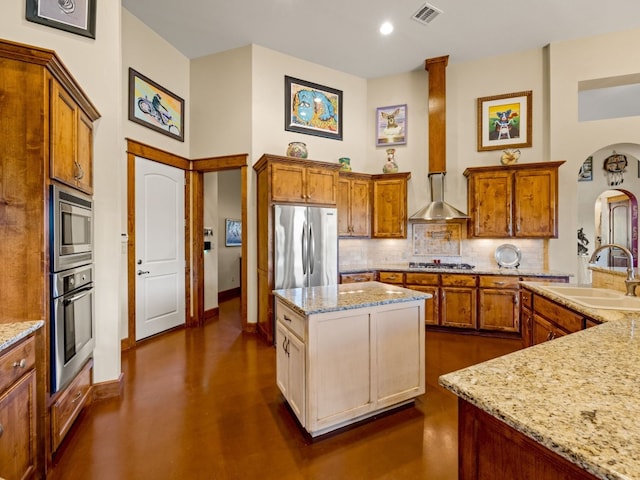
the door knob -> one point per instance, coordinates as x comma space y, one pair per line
143, 272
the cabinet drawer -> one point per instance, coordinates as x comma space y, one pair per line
457, 280
357, 277
69, 404
291, 320
391, 277
17, 361
526, 298
422, 278
498, 281
566, 319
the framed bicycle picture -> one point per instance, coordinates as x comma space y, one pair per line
155, 107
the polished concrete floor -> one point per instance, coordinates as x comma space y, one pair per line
203, 404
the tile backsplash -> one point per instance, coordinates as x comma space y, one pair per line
478, 252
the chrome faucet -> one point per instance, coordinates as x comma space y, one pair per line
631, 281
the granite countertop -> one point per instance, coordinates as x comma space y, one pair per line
404, 267
576, 395
346, 296
12, 333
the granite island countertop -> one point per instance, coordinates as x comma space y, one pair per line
576, 395
346, 296
12, 333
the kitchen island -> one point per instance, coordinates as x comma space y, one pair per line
348, 352
567, 408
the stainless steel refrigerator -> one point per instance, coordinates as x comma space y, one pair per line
306, 246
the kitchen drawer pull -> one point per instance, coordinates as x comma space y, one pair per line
1, 429
21, 364
77, 397
500, 283
551, 335
287, 319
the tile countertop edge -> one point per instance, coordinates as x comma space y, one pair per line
346, 269
585, 411
12, 333
348, 296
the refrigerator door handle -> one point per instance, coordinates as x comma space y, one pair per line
304, 248
312, 250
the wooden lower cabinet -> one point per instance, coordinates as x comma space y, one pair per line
357, 277
427, 283
458, 301
489, 449
69, 404
383, 347
499, 303
543, 319
18, 416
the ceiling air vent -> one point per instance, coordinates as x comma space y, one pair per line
426, 14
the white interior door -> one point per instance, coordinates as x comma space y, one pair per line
160, 262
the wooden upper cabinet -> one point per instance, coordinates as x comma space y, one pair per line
389, 201
71, 157
354, 205
302, 183
514, 201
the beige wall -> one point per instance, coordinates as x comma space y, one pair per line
95, 64
570, 62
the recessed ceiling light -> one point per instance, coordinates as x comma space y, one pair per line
386, 28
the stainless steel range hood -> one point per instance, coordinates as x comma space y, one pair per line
437, 209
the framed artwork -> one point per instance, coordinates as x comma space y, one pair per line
391, 125
233, 233
155, 107
504, 121
75, 16
312, 109
585, 174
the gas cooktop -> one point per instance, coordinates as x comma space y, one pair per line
433, 265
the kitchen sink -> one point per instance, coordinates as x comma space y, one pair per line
584, 292
597, 297
621, 303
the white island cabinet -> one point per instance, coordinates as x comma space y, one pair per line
347, 352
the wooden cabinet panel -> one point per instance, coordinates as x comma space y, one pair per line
535, 205
291, 370
357, 277
459, 280
489, 449
561, 316
69, 404
287, 183
321, 186
396, 278
354, 205
499, 310
513, 201
18, 455
490, 204
458, 307
526, 324
71, 154
543, 330
431, 305
389, 200
422, 278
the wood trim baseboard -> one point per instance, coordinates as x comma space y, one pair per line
109, 389
211, 313
229, 294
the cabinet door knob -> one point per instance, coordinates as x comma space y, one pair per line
20, 364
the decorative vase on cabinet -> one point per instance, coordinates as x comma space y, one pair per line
297, 150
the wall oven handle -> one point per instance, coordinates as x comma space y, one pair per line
77, 296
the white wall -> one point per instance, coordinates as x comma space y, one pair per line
95, 64
212, 257
229, 206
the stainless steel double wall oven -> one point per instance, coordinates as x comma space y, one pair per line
72, 288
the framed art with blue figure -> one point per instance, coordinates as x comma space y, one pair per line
312, 109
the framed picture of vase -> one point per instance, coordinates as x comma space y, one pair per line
391, 125
74, 16
312, 109
504, 121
